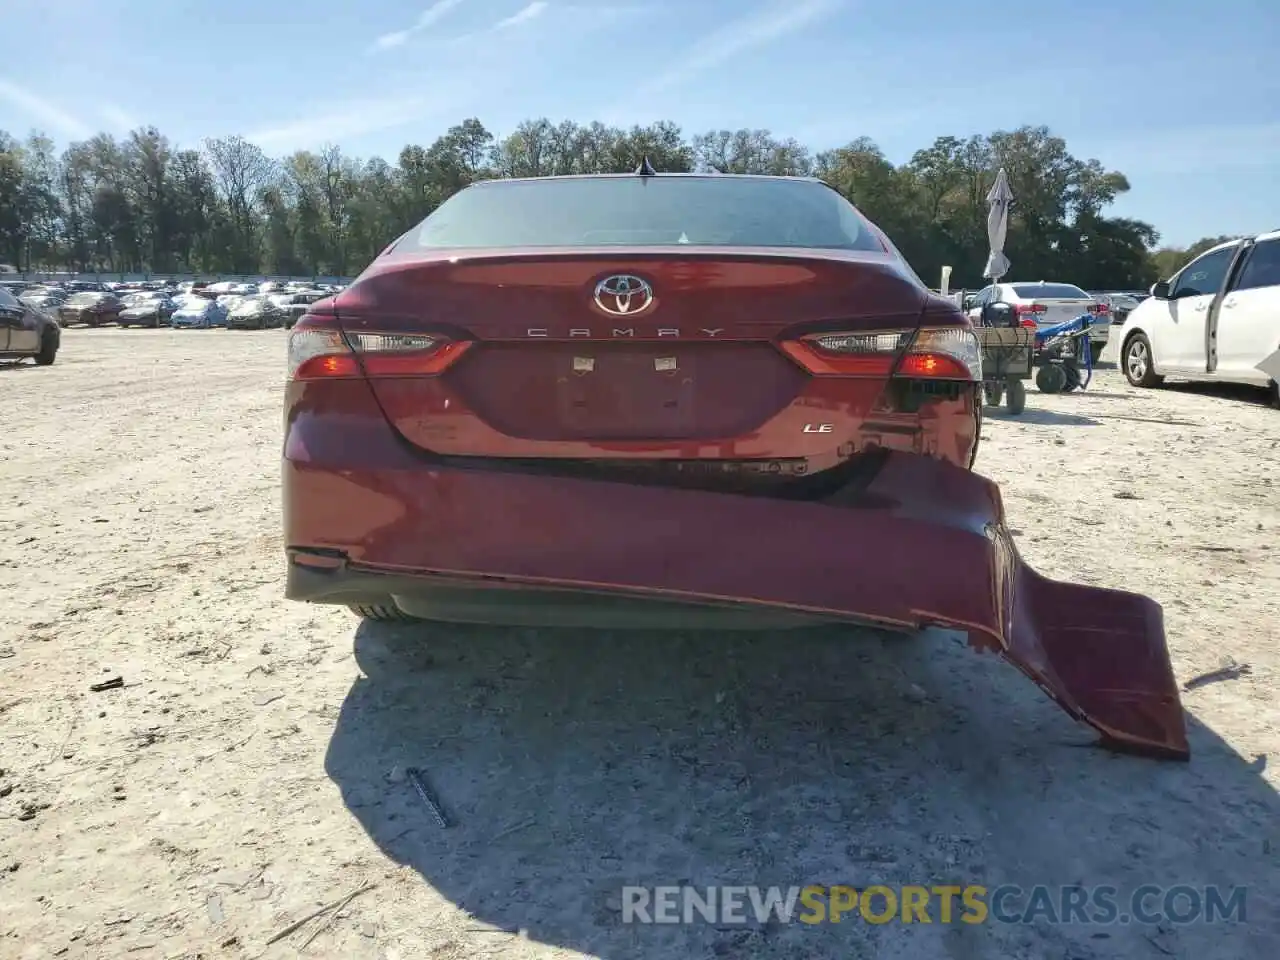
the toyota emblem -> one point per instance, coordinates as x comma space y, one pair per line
623, 295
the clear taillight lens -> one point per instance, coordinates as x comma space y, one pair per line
390, 342
307, 345
944, 353
862, 343
318, 352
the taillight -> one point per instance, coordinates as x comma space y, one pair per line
317, 353
1027, 313
405, 355
937, 353
1099, 309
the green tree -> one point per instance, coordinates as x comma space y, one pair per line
144, 203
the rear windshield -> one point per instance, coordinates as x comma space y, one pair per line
1048, 291
647, 211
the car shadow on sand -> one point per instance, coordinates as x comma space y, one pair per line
1238, 392
573, 762
1040, 417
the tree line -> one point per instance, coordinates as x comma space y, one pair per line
143, 204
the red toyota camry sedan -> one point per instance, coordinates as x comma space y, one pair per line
676, 400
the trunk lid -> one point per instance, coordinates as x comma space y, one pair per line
685, 355
550, 294
1060, 311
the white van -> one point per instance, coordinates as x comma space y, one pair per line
1218, 318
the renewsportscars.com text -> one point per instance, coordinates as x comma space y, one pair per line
945, 904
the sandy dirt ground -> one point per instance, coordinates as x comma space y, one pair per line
251, 768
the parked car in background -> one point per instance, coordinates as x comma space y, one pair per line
1119, 305
295, 304
91, 308
44, 298
255, 313
1045, 304
17, 287
200, 313
236, 287
26, 331
1218, 318
147, 309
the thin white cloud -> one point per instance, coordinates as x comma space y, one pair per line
121, 120
759, 29
524, 15
434, 12
351, 120
354, 119
43, 111
390, 40
427, 19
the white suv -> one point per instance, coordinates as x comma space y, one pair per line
1218, 318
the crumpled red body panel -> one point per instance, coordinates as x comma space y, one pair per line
923, 543
1102, 655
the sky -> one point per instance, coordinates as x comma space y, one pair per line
1182, 96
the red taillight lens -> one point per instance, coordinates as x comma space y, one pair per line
319, 353
1099, 309
941, 353
1027, 313
940, 366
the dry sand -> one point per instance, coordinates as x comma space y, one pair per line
251, 768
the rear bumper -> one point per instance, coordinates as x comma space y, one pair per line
920, 542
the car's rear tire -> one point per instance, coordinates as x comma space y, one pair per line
1136, 360
48, 350
382, 612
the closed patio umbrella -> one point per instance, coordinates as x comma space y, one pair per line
1000, 197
